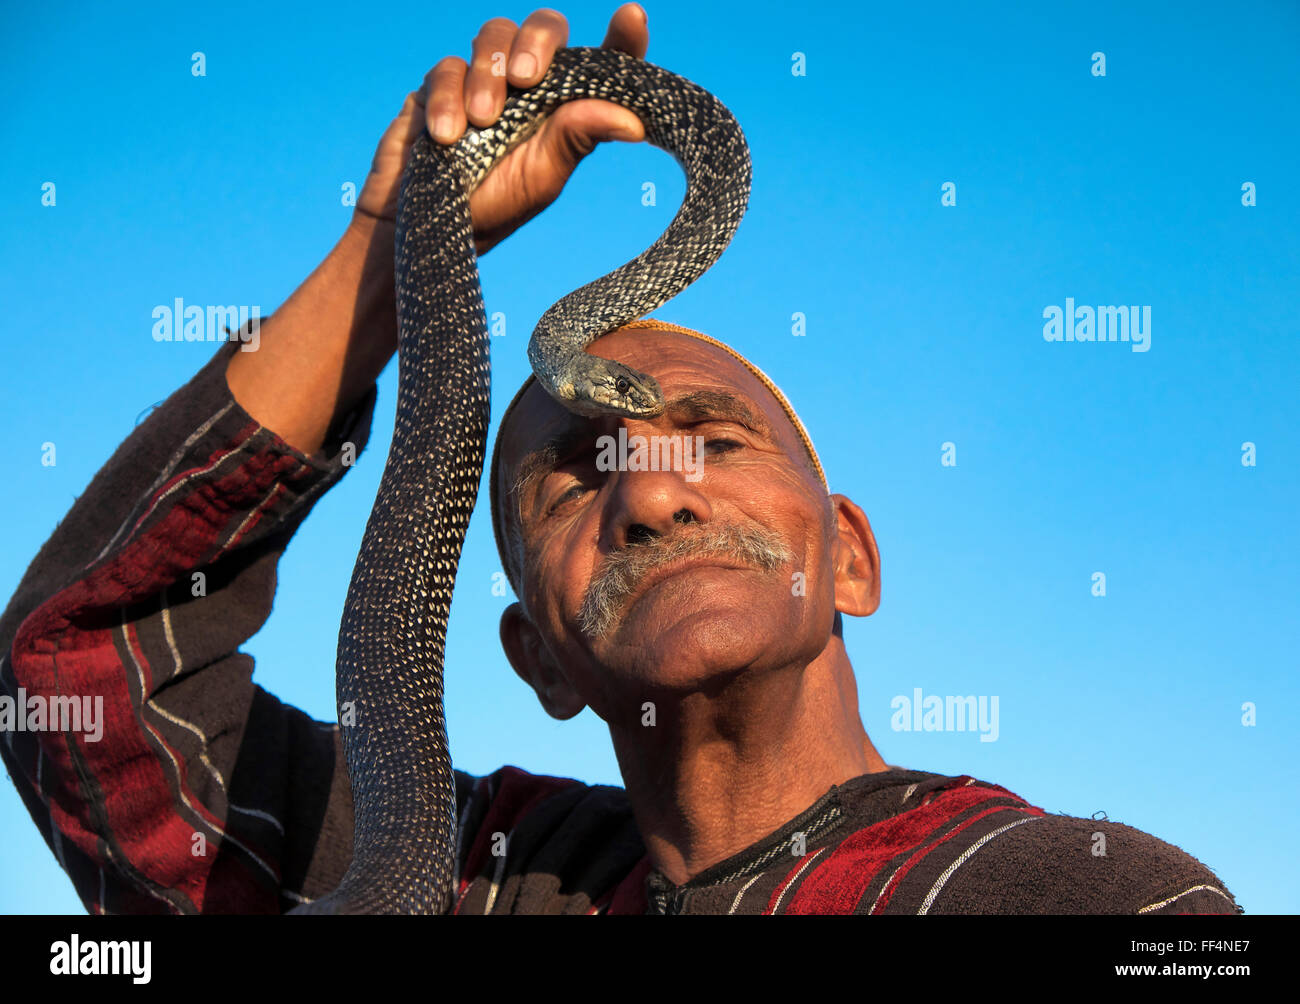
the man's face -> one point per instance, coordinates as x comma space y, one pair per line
706, 613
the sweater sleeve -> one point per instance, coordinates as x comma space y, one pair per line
1058, 864
163, 779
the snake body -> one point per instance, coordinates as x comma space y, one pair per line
389, 673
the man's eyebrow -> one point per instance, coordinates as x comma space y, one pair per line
543, 459
702, 405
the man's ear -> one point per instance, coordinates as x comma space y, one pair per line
533, 662
855, 559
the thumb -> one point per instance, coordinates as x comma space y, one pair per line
579, 125
614, 122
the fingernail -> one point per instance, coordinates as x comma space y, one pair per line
524, 65
481, 105
644, 16
442, 128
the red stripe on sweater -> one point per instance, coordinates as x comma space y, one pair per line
629, 897
888, 892
53, 655
781, 886
518, 793
241, 437
251, 521
193, 802
839, 883
464, 876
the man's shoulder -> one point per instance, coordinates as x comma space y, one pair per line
991, 851
561, 834
509, 795
1083, 865
510, 776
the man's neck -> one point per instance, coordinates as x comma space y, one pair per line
718, 773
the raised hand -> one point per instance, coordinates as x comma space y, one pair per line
456, 93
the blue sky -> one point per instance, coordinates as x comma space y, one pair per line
924, 327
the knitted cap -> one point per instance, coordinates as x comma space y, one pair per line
507, 557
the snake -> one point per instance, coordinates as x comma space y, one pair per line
392, 635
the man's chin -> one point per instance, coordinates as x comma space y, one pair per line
682, 639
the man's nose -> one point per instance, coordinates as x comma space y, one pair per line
649, 504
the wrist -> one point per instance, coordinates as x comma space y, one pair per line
365, 225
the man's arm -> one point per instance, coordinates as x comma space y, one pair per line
321, 352
183, 787
197, 791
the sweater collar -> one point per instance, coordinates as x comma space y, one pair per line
818, 819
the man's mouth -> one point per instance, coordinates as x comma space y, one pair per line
624, 577
655, 576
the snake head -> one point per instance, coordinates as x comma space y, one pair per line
604, 387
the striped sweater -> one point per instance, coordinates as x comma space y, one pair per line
206, 794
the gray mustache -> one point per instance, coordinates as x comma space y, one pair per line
622, 570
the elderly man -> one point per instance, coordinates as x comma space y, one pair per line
697, 612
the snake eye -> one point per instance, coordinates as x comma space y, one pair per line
621, 385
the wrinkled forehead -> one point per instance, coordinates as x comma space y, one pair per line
680, 363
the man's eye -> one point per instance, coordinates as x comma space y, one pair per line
567, 496
720, 445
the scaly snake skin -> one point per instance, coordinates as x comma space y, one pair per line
394, 627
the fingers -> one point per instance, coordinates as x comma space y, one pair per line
456, 94
485, 85
628, 31
410, 120
443, 91
543, 32
504, 52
